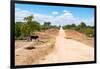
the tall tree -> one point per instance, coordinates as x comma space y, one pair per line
46, 25
28, 19
82, 25
17, 29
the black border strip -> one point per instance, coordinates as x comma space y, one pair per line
12, 50
12, 18
54, 4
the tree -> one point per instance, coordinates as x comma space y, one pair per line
32, 26
36, 26
72, 26
28, 24
25, 30
17, 29
46, 25
89, 32
28, 19
82, 25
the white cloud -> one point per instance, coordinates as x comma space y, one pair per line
65, 11
89, 21
61, 19
55, 13
17, 9
42, 18
20, 14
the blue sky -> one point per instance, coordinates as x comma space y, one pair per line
57, 15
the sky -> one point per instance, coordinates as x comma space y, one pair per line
57, 15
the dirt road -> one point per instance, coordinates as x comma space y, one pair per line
68, 50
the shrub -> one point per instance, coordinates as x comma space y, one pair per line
89, 32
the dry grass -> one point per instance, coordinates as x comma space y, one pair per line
28, 53
72, 34
30, 56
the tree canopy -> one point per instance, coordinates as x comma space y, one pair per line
30, 26
82, 28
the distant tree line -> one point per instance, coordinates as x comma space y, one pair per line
82, 28
29, 27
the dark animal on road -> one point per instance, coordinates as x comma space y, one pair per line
34, 37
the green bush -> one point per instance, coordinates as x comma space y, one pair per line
30, 27
82, 28
18, 29
89, 32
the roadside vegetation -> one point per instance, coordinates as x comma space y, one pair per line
82, 28
30, 27
29, 52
